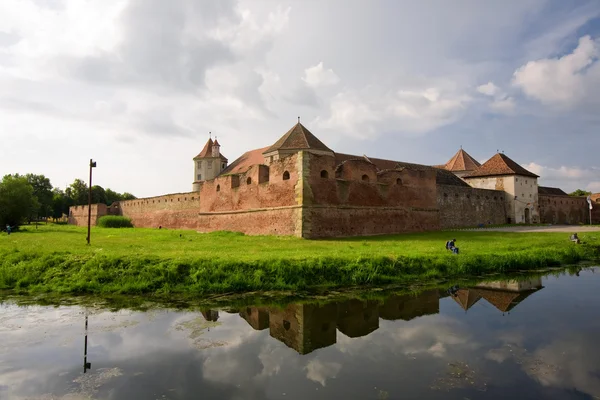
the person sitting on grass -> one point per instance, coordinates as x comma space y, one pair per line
575, 238
8, 229
451, 246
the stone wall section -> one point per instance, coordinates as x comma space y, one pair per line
569, 210
596, 208
462, 207
78, 215
355, 199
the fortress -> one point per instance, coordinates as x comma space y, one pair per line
299, 186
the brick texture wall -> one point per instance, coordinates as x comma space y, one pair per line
78, 215
563, 209
465, 207
596, 210
353, 198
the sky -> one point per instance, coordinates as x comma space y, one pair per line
137, 85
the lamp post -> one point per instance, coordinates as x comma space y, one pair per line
86, 365
92, 165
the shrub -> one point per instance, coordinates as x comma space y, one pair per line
114, 221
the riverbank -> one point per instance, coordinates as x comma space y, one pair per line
135, 261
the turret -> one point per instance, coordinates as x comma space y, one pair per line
208, 164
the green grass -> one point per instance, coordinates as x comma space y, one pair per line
56, 259
114, 221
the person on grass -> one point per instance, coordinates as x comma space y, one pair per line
450, 245
575, 238
8, 229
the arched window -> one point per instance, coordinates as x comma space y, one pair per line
398, 181
286, 175
248, 181
365, 178
218, 188
324, 174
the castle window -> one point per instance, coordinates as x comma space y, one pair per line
495, 198
324, 174
248, 181
209, 164
286, 325
456, 195
516, 179
218, 188
445, 194
222, 166
526, 181
468, 196
398, 181
199, 177
286, 175
365, 178
199, 164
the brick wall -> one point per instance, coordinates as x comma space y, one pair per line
78, 215
465, 207
563, 209
353, 199
596, 210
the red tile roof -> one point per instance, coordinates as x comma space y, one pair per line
462, 161
207, 150
245, 161
466, 298
298, 138
504, 300
500, 164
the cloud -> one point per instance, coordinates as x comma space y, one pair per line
567, 178
593, 187
489, 89
502, 102
318, 76
319, 371
564, 81
373, 110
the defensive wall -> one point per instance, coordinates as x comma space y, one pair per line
78, 215
304, 194
596, 210
556, 209
469, 207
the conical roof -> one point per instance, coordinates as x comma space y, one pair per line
298, 138
500, 164
462, 161
466, 298
207, 150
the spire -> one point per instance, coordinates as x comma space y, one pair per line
462, 161
298, 138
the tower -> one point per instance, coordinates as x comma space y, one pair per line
208, 164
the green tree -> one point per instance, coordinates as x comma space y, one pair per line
112, 196
78, 192
128, 196
42, 190
98, 195
580, 192
17, 201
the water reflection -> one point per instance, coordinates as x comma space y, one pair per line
448, 342
307, 327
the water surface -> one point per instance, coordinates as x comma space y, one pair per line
537, 338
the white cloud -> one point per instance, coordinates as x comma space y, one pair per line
564, 177
318, 76
319, 371
489, 89
563, 81
371, 111
593, 187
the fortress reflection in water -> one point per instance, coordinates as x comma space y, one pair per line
307, 327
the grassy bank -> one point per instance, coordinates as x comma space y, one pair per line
56, 259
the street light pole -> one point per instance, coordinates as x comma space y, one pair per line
92, 165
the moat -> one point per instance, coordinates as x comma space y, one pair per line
524, 338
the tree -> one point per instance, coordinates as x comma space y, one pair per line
42, 190
111, 196
98, 195
580, 192
16, 200
78, 192
128, 196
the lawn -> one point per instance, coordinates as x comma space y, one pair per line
55, 258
